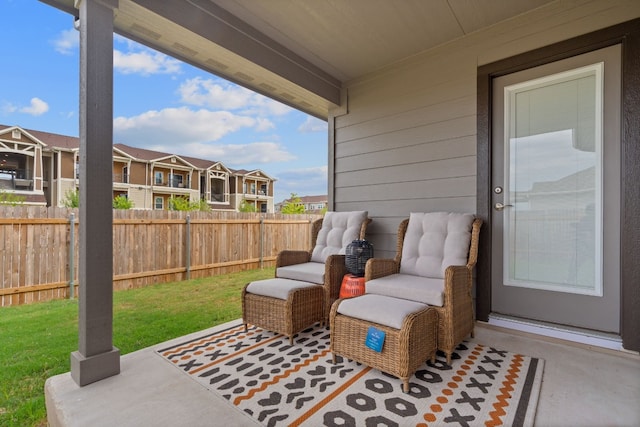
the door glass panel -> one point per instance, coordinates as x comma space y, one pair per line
553, 161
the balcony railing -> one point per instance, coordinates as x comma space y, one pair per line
177, 183
173, 183
121, 178
20, 179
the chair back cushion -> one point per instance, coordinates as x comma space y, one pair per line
434, 241
337, 231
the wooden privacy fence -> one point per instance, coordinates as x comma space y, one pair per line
40, 257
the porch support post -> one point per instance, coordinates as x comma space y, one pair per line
96, 357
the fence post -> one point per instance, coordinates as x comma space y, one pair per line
261, 242
188, 249
72, 252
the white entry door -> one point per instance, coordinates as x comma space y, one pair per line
556, 195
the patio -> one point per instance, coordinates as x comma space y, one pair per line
409, 130
582, 386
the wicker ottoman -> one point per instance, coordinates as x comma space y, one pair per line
411, 330
284, 306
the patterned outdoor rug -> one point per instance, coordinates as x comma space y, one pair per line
279, 384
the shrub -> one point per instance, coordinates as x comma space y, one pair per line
12, 199
246, 207
177, 203
293, 205
122, 202
71, 199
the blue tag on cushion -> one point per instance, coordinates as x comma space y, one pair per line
375, 339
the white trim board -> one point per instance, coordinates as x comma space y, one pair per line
582, 336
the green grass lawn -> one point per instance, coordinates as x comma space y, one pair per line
36, 340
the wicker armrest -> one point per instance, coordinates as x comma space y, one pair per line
457, 283
289, 257
334, 271
380, 267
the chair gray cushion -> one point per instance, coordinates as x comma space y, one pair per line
426, 290
434, 241
386, 311
307, 272
337, 231
276, 288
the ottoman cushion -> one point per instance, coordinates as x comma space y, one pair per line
380, 309
276, 288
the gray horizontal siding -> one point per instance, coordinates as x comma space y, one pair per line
408, 141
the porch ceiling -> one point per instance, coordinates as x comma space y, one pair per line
302, 51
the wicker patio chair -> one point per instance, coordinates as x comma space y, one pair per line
435, 257
289, 264
306, 282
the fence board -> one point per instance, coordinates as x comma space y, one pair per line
148, 247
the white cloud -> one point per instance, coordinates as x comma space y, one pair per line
67, 42
194, 132
36, 107
208, 93
131, 45
172, 126
8, 107
219, 94
136, 59
233, 155
263, 125
144, 62
303, 182
313, 125
260, 104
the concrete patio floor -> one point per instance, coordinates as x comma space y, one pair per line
582, 386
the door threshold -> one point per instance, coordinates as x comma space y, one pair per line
567, 333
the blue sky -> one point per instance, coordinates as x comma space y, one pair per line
160, 103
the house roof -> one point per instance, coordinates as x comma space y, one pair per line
147, 155
140, 153
301, 52
244, 172
51, 139
200, 163
314, 199
308, 199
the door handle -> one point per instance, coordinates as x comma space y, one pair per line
499, 206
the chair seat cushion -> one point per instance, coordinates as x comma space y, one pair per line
380, 309
307, 272
276, 288
424, 290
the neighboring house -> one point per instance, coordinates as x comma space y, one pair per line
43, 167
254, 188
21, 165
312, 204
315, 204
